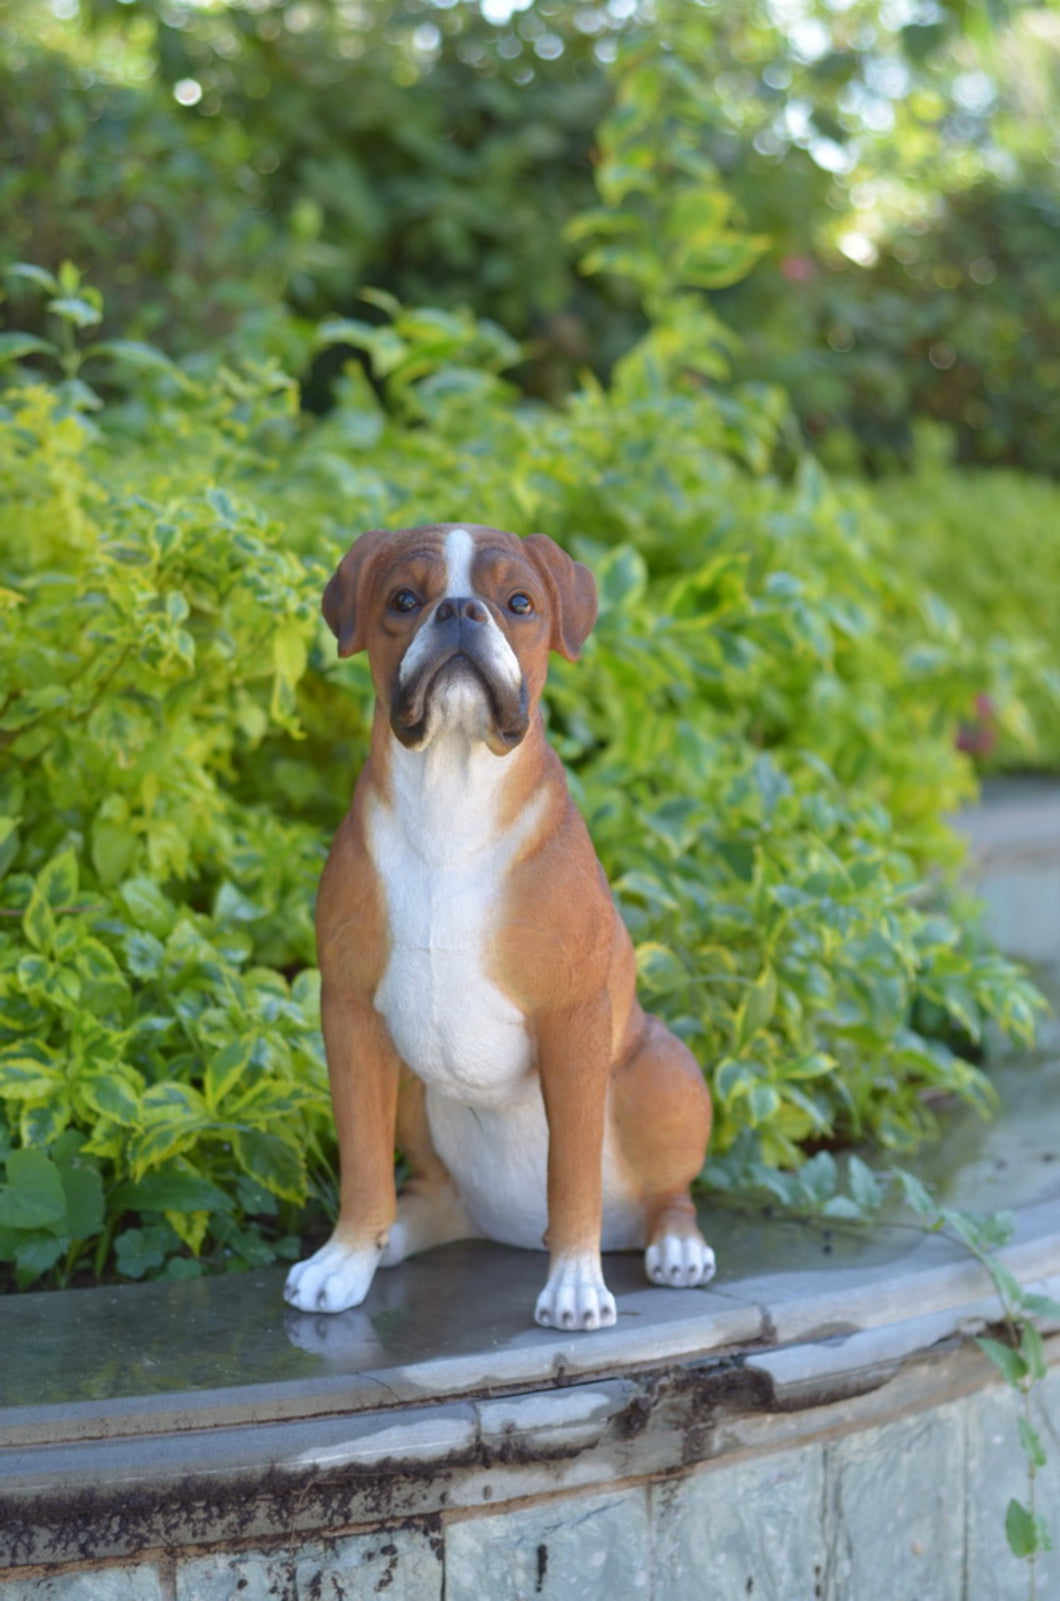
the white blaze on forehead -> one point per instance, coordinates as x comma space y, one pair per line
459, 554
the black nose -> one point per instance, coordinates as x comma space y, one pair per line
460, 606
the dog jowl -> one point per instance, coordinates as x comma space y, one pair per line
479, 1004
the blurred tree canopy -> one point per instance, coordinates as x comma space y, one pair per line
241, 166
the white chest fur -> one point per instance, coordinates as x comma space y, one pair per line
443, 861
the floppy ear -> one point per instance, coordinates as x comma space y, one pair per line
572, 592
347, 591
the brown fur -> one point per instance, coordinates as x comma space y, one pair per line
561, 953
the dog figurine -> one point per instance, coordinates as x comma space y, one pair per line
478, 1002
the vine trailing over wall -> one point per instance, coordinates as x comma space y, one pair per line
850, 1192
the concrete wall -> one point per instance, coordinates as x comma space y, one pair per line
895, 1495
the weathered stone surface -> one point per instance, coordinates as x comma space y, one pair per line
250, 1576
401, 1565
997, 1473
896, 1511
398, 1564
139, 1583
575, 1550
752, 1528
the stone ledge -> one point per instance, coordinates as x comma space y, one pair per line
206, 1413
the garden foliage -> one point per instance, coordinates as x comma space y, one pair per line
761, 732
984, 539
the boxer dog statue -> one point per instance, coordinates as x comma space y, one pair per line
479, 1005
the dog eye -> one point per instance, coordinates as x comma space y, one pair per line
520, 604
404, 600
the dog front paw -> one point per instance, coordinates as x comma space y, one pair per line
336, 1277
575, 1296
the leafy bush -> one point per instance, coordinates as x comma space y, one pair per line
421, 148
760, 734
149, 917
955, 323
107, 173
982, 538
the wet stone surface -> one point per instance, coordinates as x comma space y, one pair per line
459, 1318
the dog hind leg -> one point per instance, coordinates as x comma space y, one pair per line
429, 1209
661, 1114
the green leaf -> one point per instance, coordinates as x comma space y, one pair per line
148, 906
763, 1102
734, 1078
345, 331
646, 887
13, 346
58, 881
1032, 1350
227, 1069
137, 1251
622, 577
76, 310
134, 353
171, 1189
38, 924
818, 1178
35, 1257
28, 1072
1009, 1363
1031, 1441
272, 1162
152, 1146
34, 1196
144, 954
677, 821
40, 1126
816, 1065
9, 842
1024, 1532
916, 1195
1036, 1305
111, 1095
113, 849
659, 968
83, 1188
864, 1185
841, 1206
33, 274
290, 651
757, 1007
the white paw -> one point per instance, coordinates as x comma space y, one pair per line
425, 1218
575, 1296
334, 1278
680, 1260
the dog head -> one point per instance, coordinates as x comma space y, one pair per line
458, 621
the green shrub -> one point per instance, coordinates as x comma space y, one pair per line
107, 173
984, 540
955, 323
420, 148
760, 736
157, 1008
